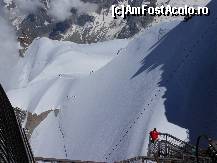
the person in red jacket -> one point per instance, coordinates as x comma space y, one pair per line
154, 135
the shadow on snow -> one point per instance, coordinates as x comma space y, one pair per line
188, 54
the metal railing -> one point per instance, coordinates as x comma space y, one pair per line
171, 147
54, 160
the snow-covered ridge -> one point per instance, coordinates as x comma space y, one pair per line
49, 64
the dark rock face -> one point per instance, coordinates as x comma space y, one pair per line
34, 25
58, 29
83, 19
87, 28
135, 24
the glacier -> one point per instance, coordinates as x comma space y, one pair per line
111, 94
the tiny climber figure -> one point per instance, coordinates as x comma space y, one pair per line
154, 135
91, 72
187, 17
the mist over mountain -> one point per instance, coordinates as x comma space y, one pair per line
80, 21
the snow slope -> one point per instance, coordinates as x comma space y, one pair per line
166, 81
51, 124
52, 67
105, 96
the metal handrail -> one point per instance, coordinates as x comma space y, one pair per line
51, 160
146, 158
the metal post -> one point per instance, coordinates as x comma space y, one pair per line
166, 147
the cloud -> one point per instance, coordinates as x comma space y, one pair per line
8, 51
58, 9
28, 6
61, 9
